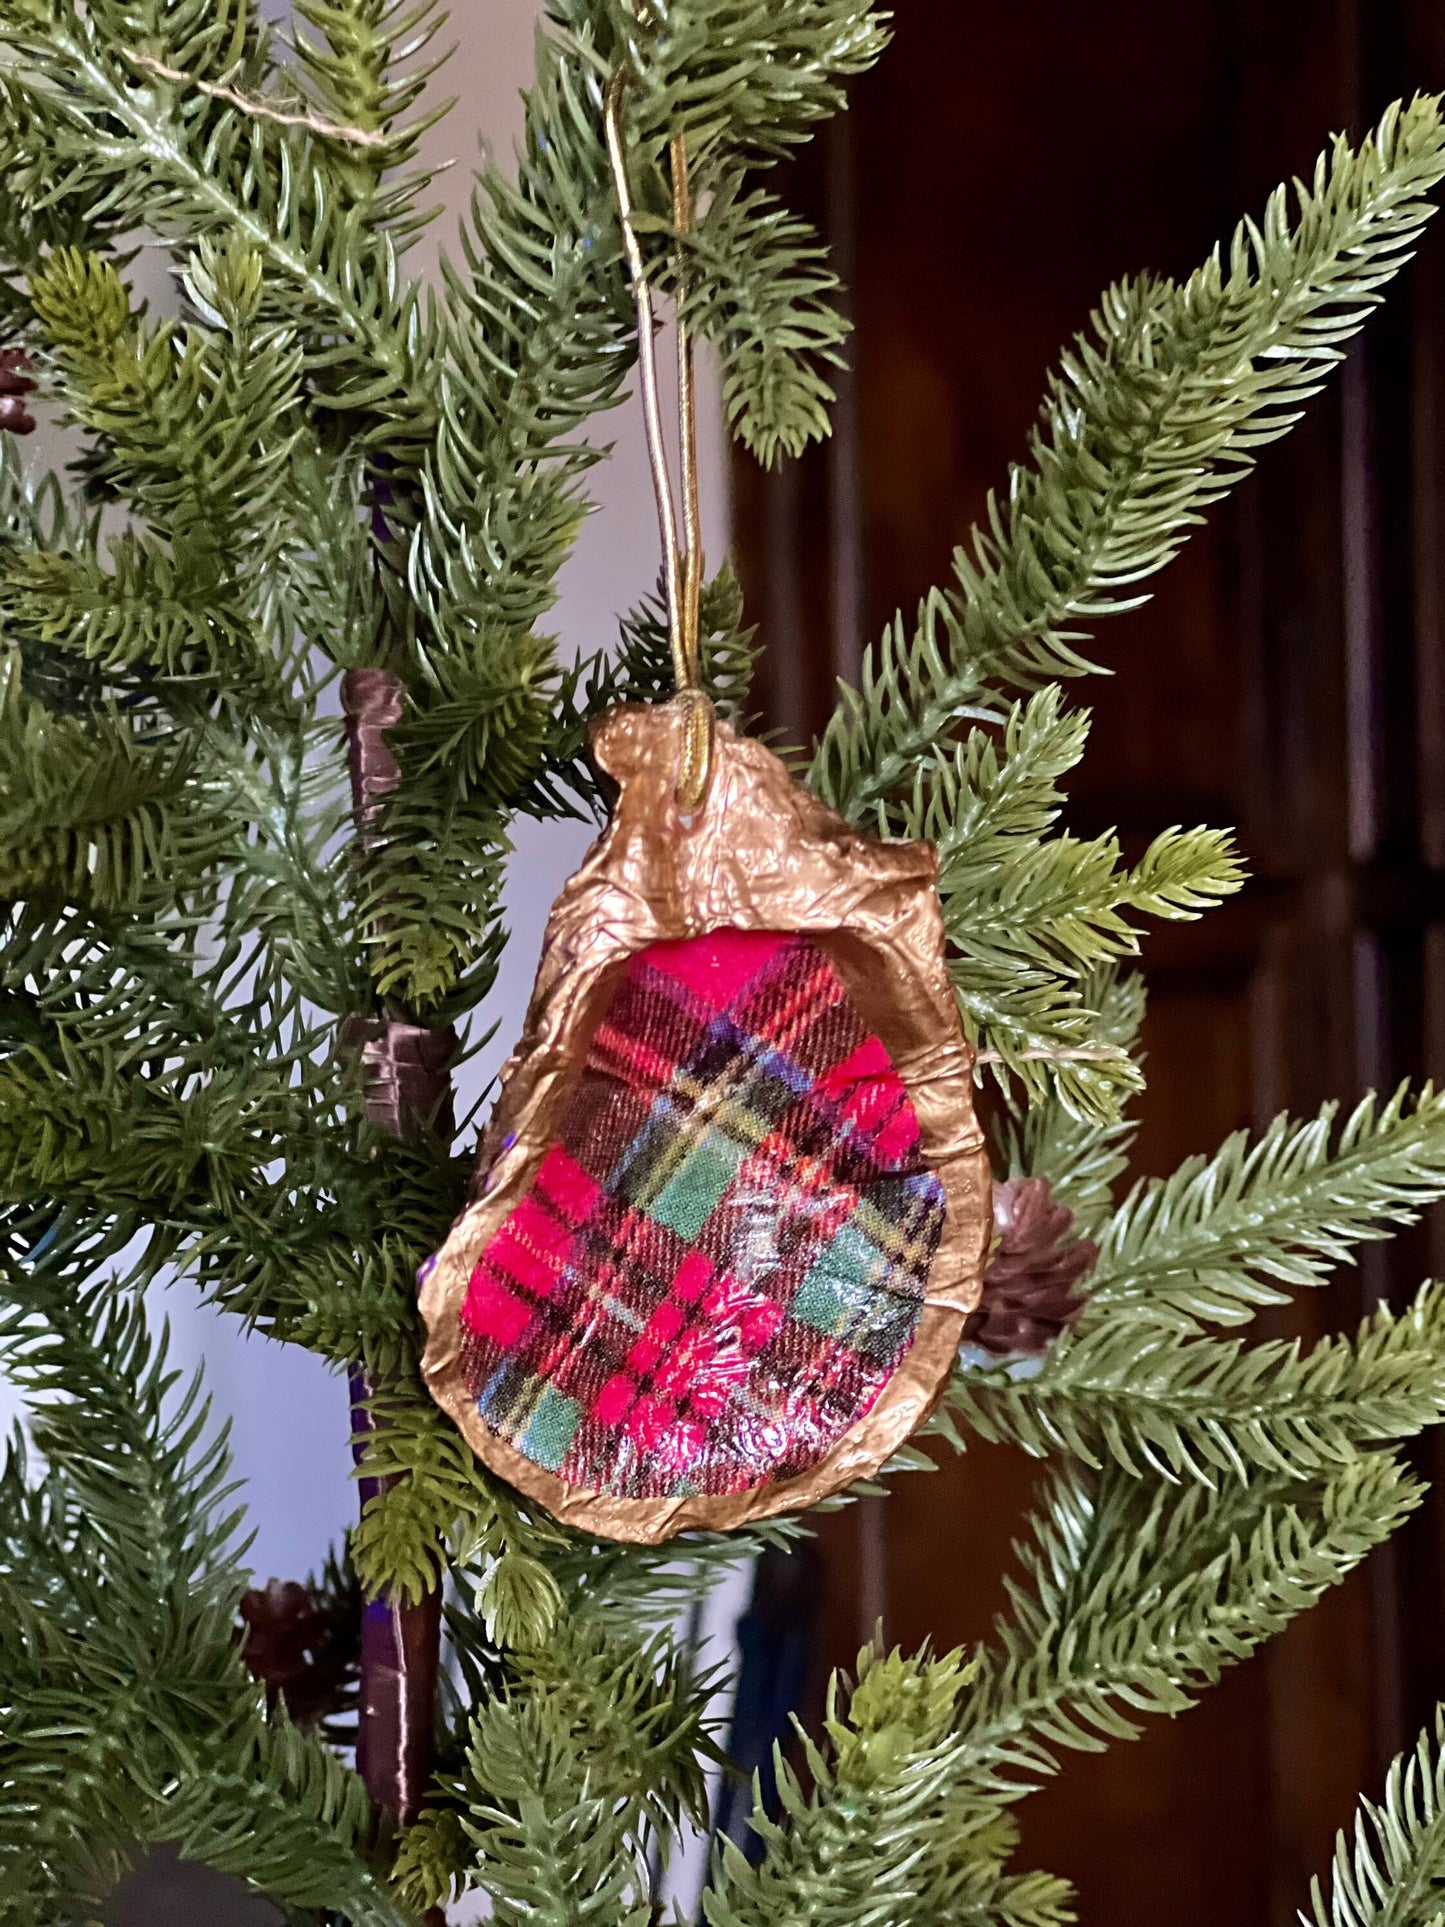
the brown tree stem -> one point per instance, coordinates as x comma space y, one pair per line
407, 1086
400, 1653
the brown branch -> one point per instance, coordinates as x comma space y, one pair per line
258, 109
406, 1079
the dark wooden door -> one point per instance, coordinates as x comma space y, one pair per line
999, 167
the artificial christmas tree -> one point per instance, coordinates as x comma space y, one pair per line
273, 683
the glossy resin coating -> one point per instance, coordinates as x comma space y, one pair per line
733, 1205
722, 1259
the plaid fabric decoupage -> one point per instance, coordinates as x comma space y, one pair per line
721, 1261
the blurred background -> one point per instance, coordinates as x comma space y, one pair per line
997, 170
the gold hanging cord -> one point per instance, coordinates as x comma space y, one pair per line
682, 564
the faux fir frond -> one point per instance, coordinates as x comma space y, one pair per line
728, 651
430, 899
758, 285
183, 161
134, 1720
1158, 1402
582, 1711
1389, 1869
1081, 1159
755, 75
169, 608
1130, 1603
192, 424
743, 83
366, 64
1033, 916
885, 1773
433, 1490
1153, 416
99, 812
637, 1717
1225, 1235
276, 1809
1133, 1598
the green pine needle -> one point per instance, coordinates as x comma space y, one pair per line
1389, 1869
1162, 1404
1226, 1235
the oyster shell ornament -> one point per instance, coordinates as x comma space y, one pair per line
732, 1208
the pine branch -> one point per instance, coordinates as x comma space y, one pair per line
539, 343
1133, 1600
312, 1259
275, 1809
1062, 906
651, 1588
1151, 419
1030, 914
75, 985
743, 84
321, 1245
640, 671
1159, 1403
330, 590
586, 1721
429, 899
293, 1267
194, 424
728, 650
543, 322
35, 511
93, 1375
289, 883
432, 1860
191, 1149
1223, 1235
434, 1492
484, 722
545, 1845
638, 1723
167, 608
888, 1829
759, 288
1081, 1160
1389, 1870
1046, 1044
197, 428
188, 165
100, 812
41, 208
133, 1718
749, 76
364, 60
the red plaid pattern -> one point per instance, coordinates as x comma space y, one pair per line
721, 1261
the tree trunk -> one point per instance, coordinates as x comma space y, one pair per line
407, 1086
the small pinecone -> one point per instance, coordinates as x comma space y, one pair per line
292, 1647
15, 385
1029, 1295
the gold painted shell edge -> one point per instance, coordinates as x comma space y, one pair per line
653, 877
